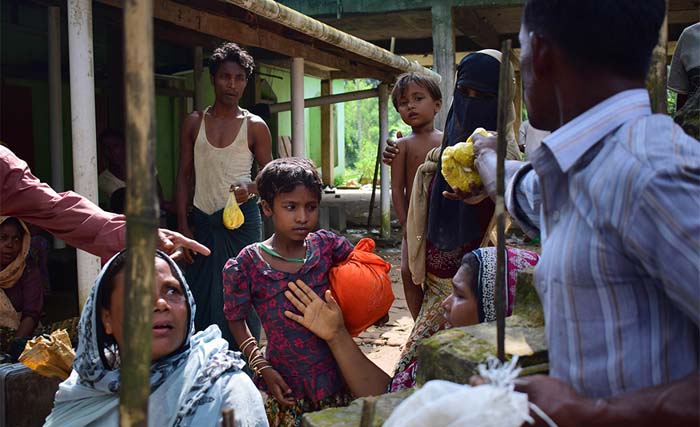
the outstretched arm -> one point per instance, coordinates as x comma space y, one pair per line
70, 216
325, 319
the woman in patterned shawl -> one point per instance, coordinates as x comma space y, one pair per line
194, 377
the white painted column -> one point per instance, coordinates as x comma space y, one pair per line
198, 59
82, 104
298, 135
55, 106
385, 178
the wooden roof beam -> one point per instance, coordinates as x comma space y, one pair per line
468, 21
229, 29
331, 8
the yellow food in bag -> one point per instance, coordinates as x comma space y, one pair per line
52, 357
233, 217
458, 163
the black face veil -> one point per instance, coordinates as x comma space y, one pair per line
452, 224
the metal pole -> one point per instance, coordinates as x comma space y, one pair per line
55, 105
82, 104
384, 206
504, 87
325, 100
198, 59
298, 137
141, 212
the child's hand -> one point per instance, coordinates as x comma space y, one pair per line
277, 386
391, 149
325, 319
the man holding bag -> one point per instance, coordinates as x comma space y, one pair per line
218, 147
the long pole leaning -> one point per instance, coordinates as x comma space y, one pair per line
141, 208
504, 88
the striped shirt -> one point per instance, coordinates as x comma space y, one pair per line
615, 195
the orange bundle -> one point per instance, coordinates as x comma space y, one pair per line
362, 287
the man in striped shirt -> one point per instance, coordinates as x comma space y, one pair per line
614, 192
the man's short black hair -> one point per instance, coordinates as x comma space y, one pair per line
234, 53
615, 34
284, 174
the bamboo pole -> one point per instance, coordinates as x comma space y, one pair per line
228, 418
290, 18
368, 409
141, 208
504, 88
656, 78
326, 100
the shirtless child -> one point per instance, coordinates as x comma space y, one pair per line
417, 98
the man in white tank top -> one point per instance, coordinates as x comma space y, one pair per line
217, 149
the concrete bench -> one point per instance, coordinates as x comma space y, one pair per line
333, 217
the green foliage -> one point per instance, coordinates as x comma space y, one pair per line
671, 102
362, 131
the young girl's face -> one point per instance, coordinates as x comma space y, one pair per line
460, 306
416, 106
294, 214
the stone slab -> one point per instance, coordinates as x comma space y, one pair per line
349, 416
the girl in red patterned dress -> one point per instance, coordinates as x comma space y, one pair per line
298, 371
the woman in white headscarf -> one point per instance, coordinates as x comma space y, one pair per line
194, 377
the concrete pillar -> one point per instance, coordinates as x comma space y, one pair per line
298, 135
385, 179
327, 137
198, 62
444, 56
82, 103
55, 105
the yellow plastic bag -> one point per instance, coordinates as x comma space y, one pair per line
52, 357
233, 217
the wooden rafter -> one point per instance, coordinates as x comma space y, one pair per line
468, 21
227, 28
